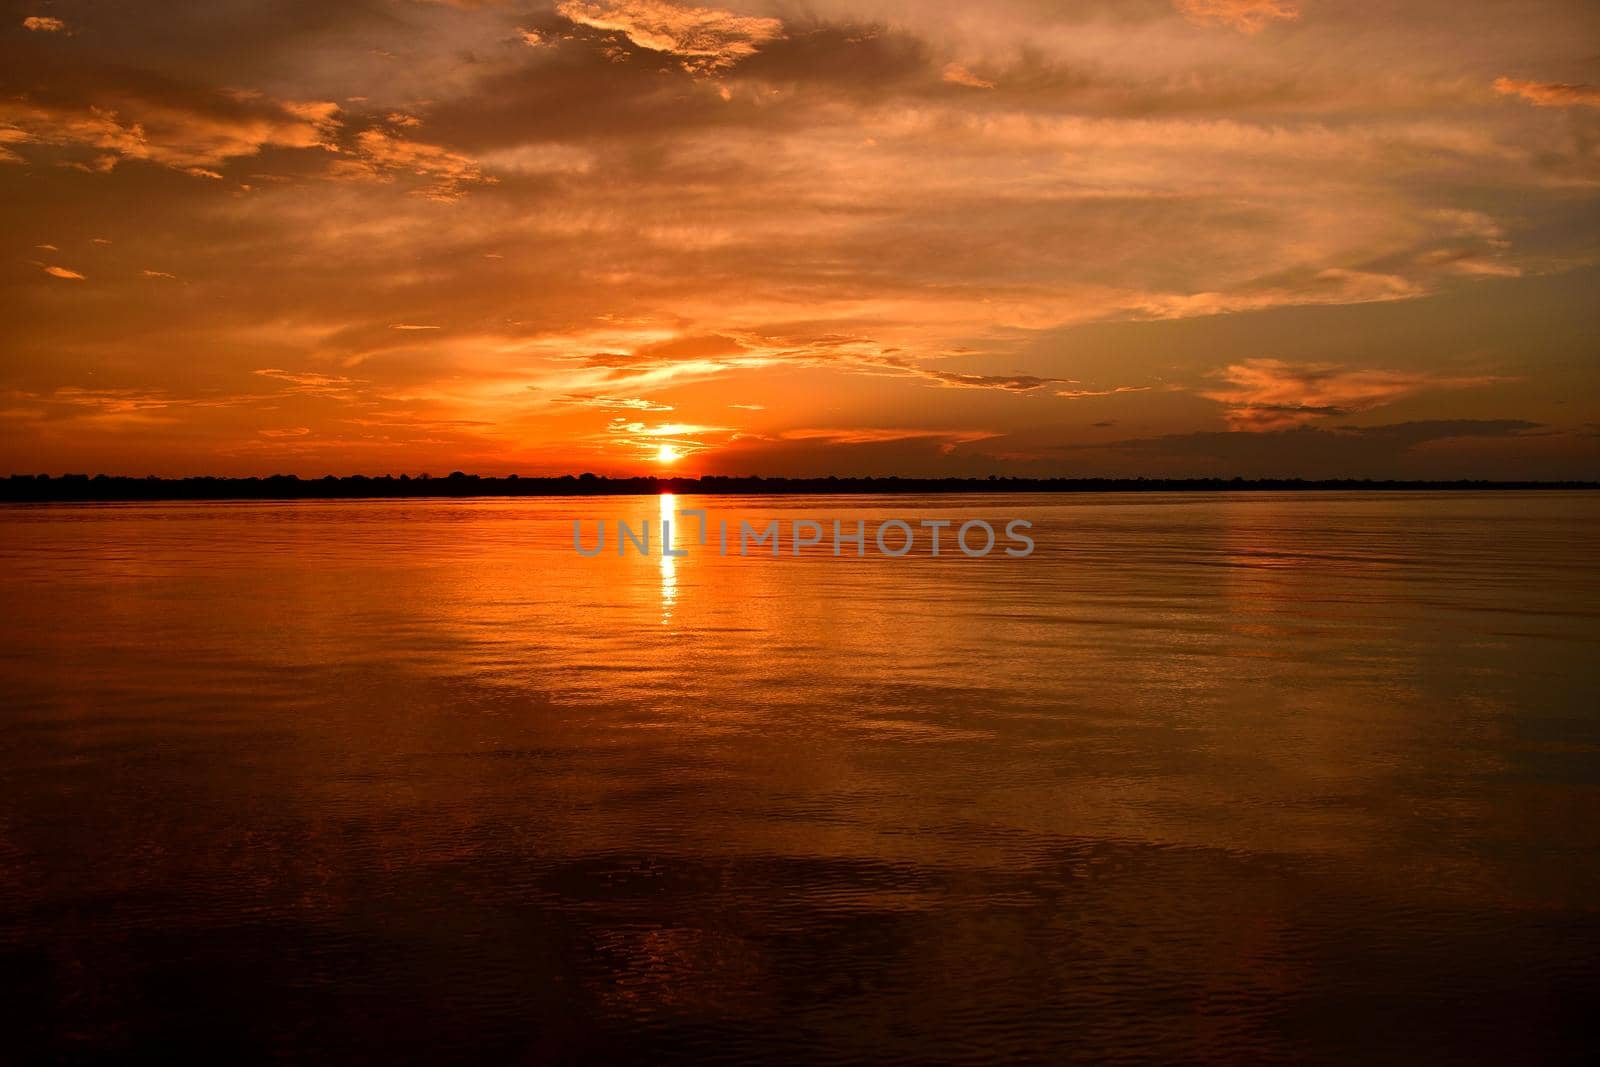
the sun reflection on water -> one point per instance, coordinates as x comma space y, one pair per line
669, 564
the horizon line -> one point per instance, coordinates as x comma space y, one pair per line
44, 488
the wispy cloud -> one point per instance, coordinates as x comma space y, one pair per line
1550, 94
313, 384
1013, 383
957, 74
380, 156
1269, 394
612, 403
647, 439
948, 440
1247, 16
1082, 394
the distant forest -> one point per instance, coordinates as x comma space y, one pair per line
28, 488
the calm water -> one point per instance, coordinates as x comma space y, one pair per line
1257, 777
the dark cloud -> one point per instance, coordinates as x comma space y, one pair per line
1018, 383
1387, 451
841, 57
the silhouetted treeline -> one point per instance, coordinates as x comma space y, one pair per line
36, 488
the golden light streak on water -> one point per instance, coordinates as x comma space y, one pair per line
669, 563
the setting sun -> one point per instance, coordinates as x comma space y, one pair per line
667, 454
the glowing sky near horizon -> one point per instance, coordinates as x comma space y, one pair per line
1162, 237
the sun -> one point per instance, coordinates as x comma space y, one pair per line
667, 454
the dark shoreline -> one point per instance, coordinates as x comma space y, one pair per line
22, 488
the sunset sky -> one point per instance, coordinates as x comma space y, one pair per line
1161, 237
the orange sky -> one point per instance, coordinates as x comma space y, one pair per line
1256, 237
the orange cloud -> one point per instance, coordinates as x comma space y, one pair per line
62, 272
1081, 394
1015, 383
956, 74
1246, 16
1269, 394
704, 39
1550, 94
378, 156
683, 439
311, 384
613, 403
943, 440
879, 435
43, 24
184, 135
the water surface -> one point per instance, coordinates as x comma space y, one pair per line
1253, 777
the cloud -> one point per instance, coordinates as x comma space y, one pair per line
412, 326
956, 74
861, 235
184, 134
707, 346
865, 435
697, 354
113, 407
114, 403
312, 384
378, 156
1398, 450
43, 24
1014, 383
1081, 394
703, 39
612, 403
1550, 94
647, 440
1333, 285
1246, 16
709, 354
665, 429
1269, 394
158, 274
62, 272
